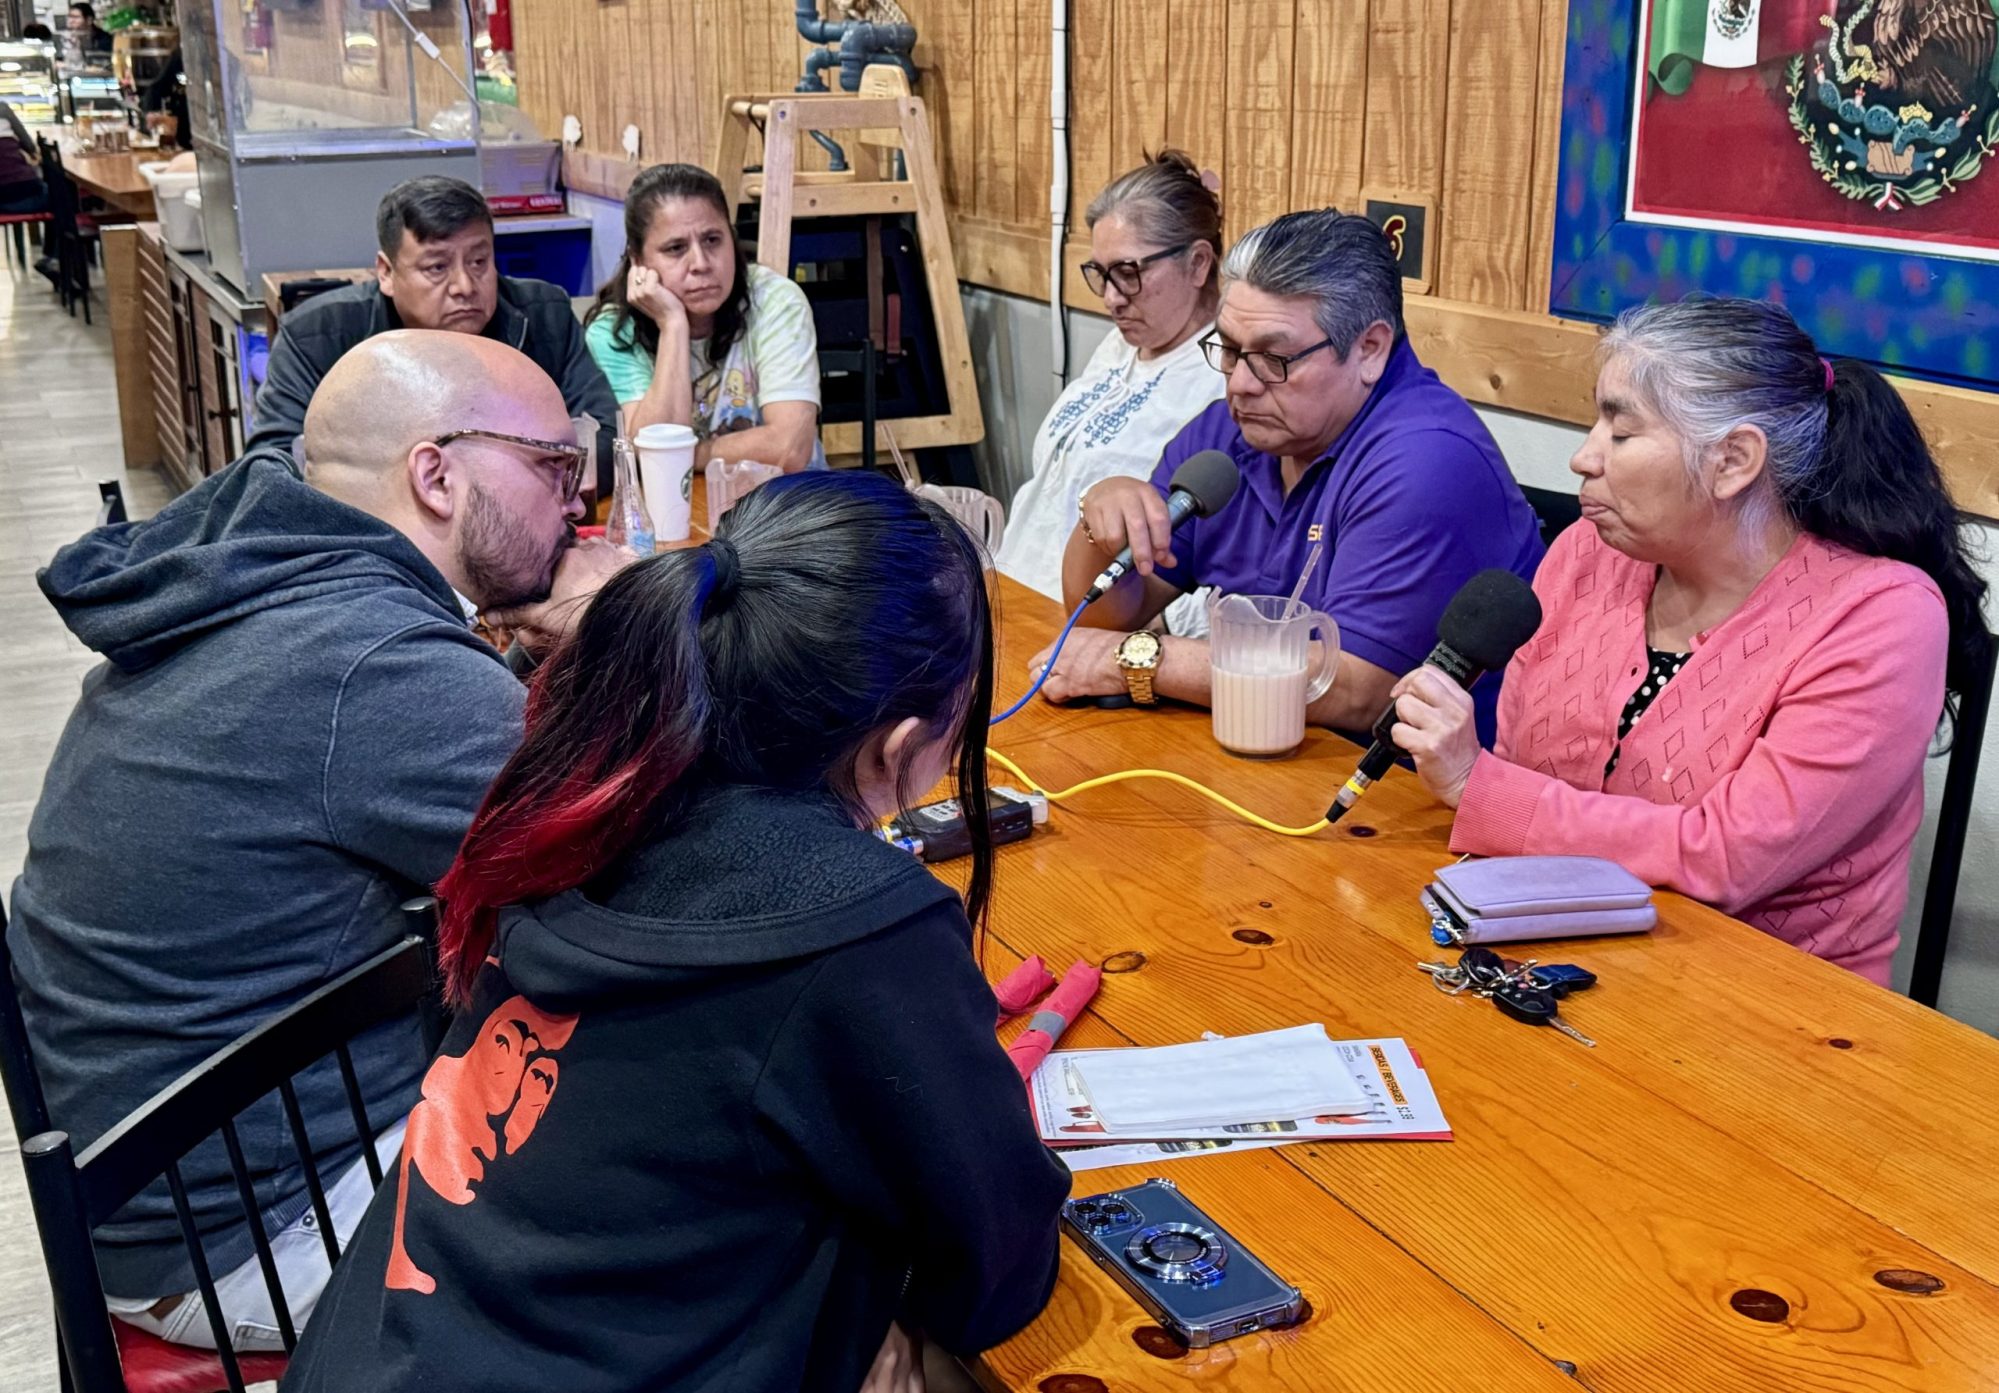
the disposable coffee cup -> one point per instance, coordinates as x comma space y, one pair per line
666, 474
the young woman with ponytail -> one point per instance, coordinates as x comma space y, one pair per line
1746, 642
691, 332
723, 1106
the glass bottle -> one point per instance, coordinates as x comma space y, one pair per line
628, 524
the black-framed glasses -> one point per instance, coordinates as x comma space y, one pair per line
575, 459
1127, 276
1267, 368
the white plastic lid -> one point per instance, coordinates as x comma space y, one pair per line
663, 435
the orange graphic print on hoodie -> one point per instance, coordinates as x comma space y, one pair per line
476, 1107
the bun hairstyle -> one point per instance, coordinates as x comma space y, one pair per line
1846, 461
827, 609
1168, 200
654, 186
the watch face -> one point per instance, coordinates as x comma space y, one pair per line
1140, 649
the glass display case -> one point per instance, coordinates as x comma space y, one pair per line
28, 80
305, 112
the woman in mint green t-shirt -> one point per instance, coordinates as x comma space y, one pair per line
691, 332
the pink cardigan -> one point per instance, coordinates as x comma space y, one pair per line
1778, 777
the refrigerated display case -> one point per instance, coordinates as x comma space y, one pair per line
28, 80
304, 117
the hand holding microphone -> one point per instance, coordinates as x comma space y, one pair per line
1130, 514
1492, 614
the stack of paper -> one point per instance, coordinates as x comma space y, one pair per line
1115, 1107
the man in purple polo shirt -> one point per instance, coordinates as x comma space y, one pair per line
1342, 437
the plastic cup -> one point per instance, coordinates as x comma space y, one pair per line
666, 475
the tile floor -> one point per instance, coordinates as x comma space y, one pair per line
58, 438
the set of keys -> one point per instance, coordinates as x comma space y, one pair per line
1527, 991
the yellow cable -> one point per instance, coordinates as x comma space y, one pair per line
1245, 814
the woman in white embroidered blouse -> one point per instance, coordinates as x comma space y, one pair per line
1155, 243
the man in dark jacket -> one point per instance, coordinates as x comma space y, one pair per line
290, 736
434, 270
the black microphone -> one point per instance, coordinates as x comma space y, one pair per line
1485, 622
1201, 487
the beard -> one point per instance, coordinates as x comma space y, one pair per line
504, 560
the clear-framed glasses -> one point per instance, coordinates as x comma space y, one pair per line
1267, 368
569, 458
1127, 276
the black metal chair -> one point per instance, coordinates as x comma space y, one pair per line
1556, 510
72, 1194
70, 232
1974, 699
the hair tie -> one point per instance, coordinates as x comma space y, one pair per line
728, 571
1826, 363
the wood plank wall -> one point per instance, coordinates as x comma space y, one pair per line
1293, 103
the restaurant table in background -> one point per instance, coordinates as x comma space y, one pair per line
113, 178
1769, 1175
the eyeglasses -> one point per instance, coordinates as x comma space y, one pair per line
1127, 276
1267, 368
574, 458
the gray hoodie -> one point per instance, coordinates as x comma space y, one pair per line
290, 735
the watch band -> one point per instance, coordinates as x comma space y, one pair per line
1139, 677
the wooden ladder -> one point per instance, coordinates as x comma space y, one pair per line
879, 124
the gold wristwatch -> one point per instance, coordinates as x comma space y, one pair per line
1138, 658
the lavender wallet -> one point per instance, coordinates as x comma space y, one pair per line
1505, 898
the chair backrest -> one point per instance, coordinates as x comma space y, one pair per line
1974, 700
63, 201
73, 1193
1556, 509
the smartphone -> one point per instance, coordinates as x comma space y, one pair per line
1186, 1270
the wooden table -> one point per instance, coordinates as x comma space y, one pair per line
1769, 1175
113, 178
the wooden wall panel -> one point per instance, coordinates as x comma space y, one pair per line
1032, 132
1092, 68
1329, 103
946, 56
1483, 228
1196, 40
1408, 51
1293, 103
1140, 83
1257, 106
995, 182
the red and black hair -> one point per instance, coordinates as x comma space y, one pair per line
829, 608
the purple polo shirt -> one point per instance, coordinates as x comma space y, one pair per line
1412, 500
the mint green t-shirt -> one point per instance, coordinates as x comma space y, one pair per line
775, 359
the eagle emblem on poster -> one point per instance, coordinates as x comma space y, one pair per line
1896, 105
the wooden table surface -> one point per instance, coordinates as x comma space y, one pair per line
113, 178
1769, 1175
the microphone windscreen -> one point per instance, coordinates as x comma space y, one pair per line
1211, 477
1489, 618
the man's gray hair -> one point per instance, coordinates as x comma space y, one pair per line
1343, 263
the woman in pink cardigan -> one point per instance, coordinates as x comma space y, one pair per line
1745, 643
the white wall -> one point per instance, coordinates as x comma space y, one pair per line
1010, 349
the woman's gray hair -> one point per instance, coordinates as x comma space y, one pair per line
1710, 365
1166, 200
1343, 263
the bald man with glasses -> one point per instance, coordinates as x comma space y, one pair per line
292, 728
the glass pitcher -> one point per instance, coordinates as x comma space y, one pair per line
1267, 670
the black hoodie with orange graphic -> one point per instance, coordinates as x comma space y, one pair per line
709, 1125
